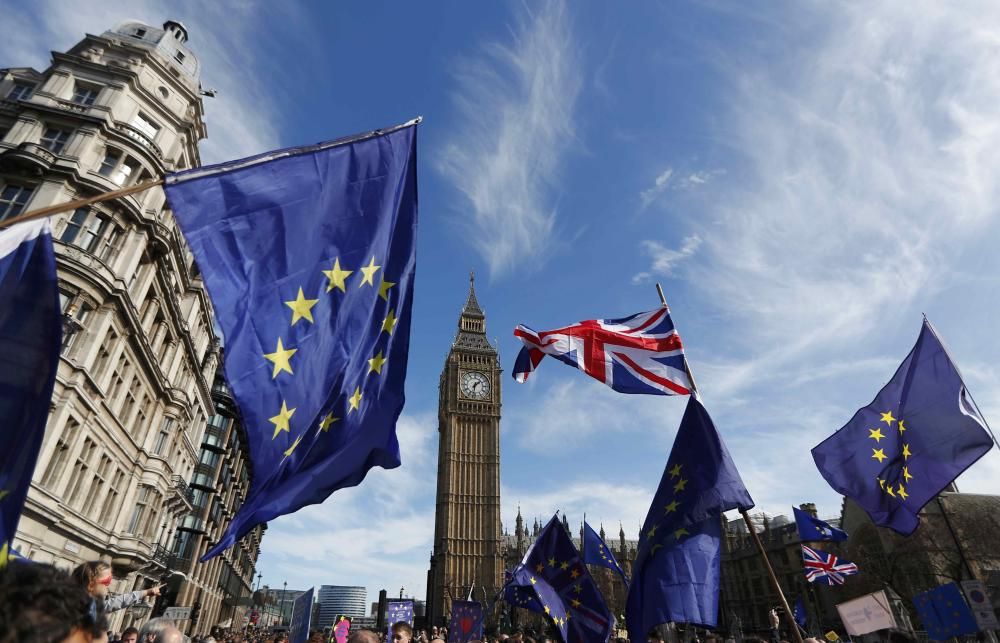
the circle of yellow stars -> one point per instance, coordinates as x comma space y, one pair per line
895, 489
301, 310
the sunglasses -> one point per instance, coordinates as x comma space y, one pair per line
105, 581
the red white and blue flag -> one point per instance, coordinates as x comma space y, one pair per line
639, 354
825, 568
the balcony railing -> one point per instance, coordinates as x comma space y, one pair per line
141, 138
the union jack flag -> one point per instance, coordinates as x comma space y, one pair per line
826, 568
637, 354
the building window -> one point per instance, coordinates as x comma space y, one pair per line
21, 91
85, 94
111, 501
162, 443
54, 139
179, 56
79, 478
13, 198
140, 33
146, 125
141, 500
101, 477
92, 232
110, 162
57, 463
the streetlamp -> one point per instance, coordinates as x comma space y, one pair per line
284, 593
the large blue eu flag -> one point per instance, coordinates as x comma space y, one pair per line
675, 576
30, 339
912, 441
308, 255
555, 575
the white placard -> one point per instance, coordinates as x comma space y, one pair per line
979, 603
177, 613
869, 613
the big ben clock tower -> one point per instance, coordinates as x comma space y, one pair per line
467, 536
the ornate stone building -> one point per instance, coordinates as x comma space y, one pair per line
133, 391
467, 531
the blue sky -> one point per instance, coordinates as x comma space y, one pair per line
804, 179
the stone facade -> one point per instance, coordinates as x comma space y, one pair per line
467, 530
133, 393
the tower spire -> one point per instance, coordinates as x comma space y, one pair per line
471, 303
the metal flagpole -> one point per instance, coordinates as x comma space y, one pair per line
746, 516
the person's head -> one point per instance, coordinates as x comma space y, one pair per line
362, 636
42, 604
160, 630
94, 576
654, 636
402, 632
130, 635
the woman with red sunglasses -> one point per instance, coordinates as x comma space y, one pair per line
95, 577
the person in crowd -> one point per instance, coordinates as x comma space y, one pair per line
160, 630
362, 636
130, 635
42, 604
402, 632
95, 577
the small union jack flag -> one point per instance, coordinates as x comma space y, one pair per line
826, 568
637, 354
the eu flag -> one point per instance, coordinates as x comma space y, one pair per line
30, 339
944, 613
812, 529
466, 622
308, 255
597, 552
553, 571
676, 572
912, 441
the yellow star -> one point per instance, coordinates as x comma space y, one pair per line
675, 471
680, 485
652, 531
575, 603
672, 507
280, 358
902, 491
552, 562
879, 454
547, 610
901, 427
3, 555
906, 451
289, 450
881, 482
369, 273
563, 565
3, 494
539, 568
681, 532
355, 400
578, 588
280, 421
328, 419
533, 581
301, 308
337, 276
575, 573
875, 434
887, 418
375, 363
906, 474
390, 322
888, 490
383, 290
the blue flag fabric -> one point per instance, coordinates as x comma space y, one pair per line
912, 441
466, 622
800, 612
676, 572
301, 618
597, 552
397, 611
554, 572
518, 596
30, 341
308, 256
944, 613
813, 529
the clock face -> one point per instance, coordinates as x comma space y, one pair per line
475, 385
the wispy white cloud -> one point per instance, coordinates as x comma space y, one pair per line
659, 186
516, 104
244, 118
665, 259
666, 180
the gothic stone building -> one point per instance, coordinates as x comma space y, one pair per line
133, 390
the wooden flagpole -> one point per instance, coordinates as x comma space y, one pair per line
80, 203
746, 516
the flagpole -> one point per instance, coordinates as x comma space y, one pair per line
746, 516
80, 203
